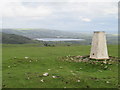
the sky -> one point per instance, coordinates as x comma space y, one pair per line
66, 15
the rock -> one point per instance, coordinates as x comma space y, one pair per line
78, 80
107, 82
42, 80
26, 57
73, 74
45, 74
15, 57
80, 68
105, 67
28, 78
104, 62
8, 66
61, 67
55, 76
110, 63
49, 69
100, 70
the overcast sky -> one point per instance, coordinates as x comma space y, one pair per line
68, 15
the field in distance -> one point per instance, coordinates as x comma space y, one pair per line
25, 64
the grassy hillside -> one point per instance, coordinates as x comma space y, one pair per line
41, 33
24, 65
15, 39
46, 33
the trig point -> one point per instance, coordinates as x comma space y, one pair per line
99, 46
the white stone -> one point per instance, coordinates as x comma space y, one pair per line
80, 68
42, 80
107, 82
26, 57
45, 74
99, 46
54, 76
28, 78
78, 80
61, 67
105, 62
49, 69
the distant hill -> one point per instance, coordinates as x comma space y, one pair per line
15, 39
47, 33
43, 33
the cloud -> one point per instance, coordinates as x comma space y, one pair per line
92, 9
17, 9
86, 19
68, 14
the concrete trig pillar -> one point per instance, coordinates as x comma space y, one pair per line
99, 46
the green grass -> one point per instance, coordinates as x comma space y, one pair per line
17, 70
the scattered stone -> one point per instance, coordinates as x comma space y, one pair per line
15, 57
78, 80
105, 62
14, 65
87, 59
61, 67
78, 57
100, 70
110, 63
80, 68
105, 67
42, 80
26, 57
45, 74
64, 87
8, 66
28, 78
54, 77
30, 61
107, 82
49, 69
73, 74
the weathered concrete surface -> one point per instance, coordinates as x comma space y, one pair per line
99, 46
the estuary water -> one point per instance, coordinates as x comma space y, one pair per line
58, 39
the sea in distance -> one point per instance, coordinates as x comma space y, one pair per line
58, 39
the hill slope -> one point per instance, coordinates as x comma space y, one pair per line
47, 33
16, 39
43, 33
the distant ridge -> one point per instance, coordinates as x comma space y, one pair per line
15, 39
48, 33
